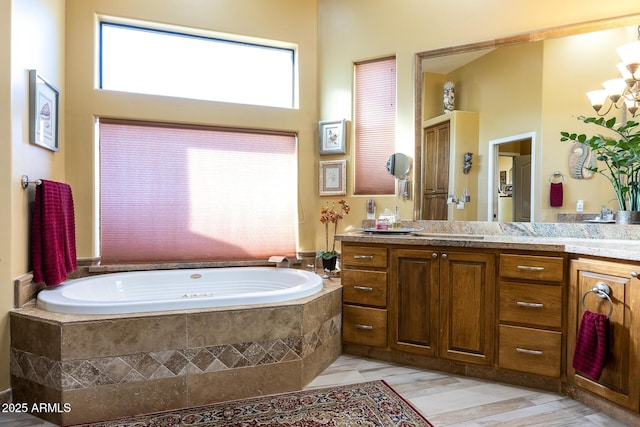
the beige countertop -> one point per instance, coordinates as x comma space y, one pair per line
474, 235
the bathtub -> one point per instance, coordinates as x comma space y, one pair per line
159, 290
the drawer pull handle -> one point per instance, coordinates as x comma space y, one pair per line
363, 288
529, 304
530, 268
367, 327
527, 351
363, 256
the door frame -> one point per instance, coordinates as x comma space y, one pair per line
494, 179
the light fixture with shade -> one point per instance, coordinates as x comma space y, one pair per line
623, 92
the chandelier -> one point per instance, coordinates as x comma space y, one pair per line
623, 92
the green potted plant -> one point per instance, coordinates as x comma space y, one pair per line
620, 154
330, 214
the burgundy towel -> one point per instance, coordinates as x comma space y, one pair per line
555, 195
53, 233
592, 345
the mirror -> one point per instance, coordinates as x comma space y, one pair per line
398, 165
534, 100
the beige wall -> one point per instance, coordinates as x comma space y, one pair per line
35, 40
355, 30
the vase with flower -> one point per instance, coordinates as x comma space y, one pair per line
331, 214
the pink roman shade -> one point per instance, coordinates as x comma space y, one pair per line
193, 193
375, 125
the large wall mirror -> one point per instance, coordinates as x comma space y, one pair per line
527, 87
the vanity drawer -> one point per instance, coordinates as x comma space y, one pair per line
530, 350
364, 325
364, 256
539, 305
532, 267
364, 287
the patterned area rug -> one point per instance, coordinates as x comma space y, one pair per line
366, 404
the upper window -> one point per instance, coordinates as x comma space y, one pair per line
157, 62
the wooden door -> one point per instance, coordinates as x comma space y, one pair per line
436, 170
413, 301
522, 188
434, 206
620, 378
467, 307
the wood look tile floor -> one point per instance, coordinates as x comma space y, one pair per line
444, 399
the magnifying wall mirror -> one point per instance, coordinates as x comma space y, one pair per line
398, 165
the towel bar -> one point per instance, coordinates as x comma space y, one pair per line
602, 290
25, 181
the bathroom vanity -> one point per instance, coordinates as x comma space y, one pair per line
496, 302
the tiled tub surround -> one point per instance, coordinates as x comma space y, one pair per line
109, 366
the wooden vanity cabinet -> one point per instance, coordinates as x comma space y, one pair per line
364, 295
531, 313
441, 303
620, 378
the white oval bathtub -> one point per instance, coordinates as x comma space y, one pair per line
142, 291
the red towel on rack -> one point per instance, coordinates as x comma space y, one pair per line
555, 195
53, 233
592, 344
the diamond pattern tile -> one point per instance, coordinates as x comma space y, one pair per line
77, 374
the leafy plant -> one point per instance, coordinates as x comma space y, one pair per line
331, 215
620, 155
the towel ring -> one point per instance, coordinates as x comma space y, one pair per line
602, 290
557, 177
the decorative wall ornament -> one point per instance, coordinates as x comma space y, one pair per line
466, 167
449, 97
580, 160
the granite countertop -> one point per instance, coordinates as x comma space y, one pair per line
615, 242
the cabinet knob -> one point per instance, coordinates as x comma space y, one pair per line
634, 274
444, 256
434, 255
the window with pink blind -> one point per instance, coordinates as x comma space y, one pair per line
194, 193
375, 125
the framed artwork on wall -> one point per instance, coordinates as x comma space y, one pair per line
333, 178
44, 108
332, 136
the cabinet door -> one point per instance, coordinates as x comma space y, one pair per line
436, 157
467, 307
620, 377
434, 206
413, 301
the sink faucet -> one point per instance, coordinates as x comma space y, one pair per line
281, 261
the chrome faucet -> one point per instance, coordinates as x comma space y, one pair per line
280, 261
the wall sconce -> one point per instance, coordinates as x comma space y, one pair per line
467, 162
623, 91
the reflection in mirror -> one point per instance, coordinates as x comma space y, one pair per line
514, 91
398, 165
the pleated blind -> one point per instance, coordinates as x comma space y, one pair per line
375, 125
186, 193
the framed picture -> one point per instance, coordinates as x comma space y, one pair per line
332, 136
44, 108
333, 178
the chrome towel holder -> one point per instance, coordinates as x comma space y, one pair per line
602, 290
25, 182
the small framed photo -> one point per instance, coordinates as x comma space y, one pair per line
44, 108
333, 178
332, 136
